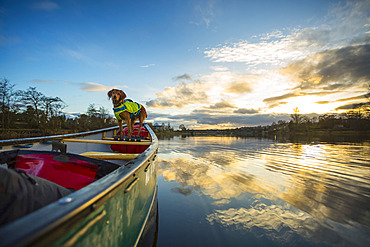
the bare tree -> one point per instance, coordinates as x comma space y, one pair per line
31, 97
6, 100
92, 111
103, 112
52, 106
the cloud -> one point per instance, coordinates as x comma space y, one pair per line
223, 82
322, 102
219, 68
246, 111
206, 11
45, 6
208, 90
345, 24
85, 86
281, 97
47, 81
94, 87
359, 97
185, 76
351, 106
346, 107
239, 87
276, 48
54, 81
230, 119
272, 35
278, 51
274, 52
275, 101
222, 105
335, 69
354, 104
147, 65
181, 95
203, 119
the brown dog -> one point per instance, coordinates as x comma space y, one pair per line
128, 111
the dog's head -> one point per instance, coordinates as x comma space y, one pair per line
116, 95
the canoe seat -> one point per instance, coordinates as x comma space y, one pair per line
110, 156
143, 132
132, 147
75, 174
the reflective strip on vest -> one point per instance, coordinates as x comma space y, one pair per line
129, 106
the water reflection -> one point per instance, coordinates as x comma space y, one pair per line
288, 193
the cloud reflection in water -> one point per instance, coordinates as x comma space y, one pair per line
316, 191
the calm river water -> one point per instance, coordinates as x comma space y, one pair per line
225, 191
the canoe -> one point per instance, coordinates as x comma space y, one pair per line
96, 191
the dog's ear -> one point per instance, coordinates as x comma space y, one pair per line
110, 93
123, 95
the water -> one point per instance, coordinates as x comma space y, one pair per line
226, 191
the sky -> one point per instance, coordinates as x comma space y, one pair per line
203, 63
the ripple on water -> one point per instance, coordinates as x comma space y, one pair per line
267, 192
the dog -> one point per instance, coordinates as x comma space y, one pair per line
127, 110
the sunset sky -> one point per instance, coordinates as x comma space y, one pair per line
202, 63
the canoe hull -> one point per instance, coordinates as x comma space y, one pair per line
112, 211
121, 219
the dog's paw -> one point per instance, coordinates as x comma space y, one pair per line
120, 138
138, 139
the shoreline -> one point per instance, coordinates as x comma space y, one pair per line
301, 136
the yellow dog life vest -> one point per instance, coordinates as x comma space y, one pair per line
128, 105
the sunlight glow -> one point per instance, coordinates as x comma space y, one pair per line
305, 104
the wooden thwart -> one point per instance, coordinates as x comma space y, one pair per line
109, 156
106, 142
112, 139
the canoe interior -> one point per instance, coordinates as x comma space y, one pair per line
75, 174
114, 178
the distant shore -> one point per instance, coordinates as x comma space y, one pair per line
259, 132
307, 136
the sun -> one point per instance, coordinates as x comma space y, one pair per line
306, 105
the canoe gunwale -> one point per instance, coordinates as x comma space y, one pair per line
106, 142
49, 138
63, 216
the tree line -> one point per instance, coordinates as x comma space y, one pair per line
29, 112
355, 122
355, 119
